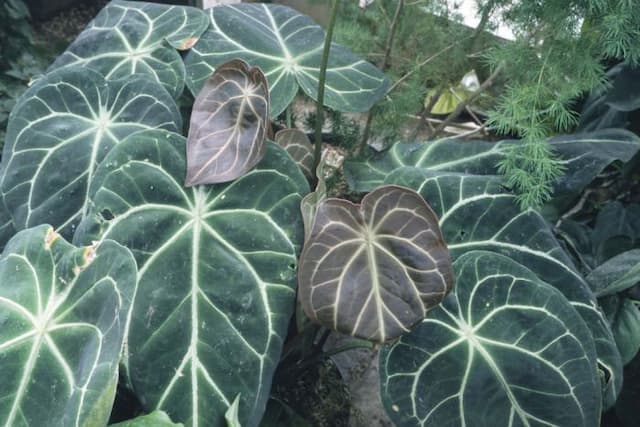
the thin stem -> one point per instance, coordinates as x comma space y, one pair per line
423, 63
425, 112
392, 34
483, 87
384, 64
288, 116
317, 152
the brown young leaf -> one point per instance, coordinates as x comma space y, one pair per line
373, 270
297, 144
229, 122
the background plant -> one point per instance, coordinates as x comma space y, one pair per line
540, 86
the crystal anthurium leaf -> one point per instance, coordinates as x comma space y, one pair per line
583, 155
373, 270
217, 275
62, 317
229, 123
503, 349
138, 38
61, 129
478, 213
287, 46
297, 144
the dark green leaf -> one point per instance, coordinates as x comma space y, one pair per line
617, 274
475, 157
287, 46
624, 318
217, 274
477, 213
138, 38
503, 349
59, 132
62, 316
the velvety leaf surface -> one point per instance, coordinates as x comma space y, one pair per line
62, 316
60, 130
297, 144
583, 155
154, 419
624, 318
217, 274
228, 125
373, 270
597, 111
287, 46
477, 213
617, 274
504, 349
138, 38
475, 157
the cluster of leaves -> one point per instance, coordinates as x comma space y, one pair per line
182, 293
459, 178
207, 253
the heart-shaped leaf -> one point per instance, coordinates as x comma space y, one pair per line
138, 38
374, 270
58, 133
297, 144
62, 316
503, 349
478, 213
216, 286
229, 124
287, 46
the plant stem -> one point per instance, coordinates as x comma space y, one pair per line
483, 87
317, 152
288, 116
383, 66
392, 33
423, 63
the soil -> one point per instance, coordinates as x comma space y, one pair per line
318, 395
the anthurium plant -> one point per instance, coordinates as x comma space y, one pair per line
167, 267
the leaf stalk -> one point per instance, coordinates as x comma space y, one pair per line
317, 152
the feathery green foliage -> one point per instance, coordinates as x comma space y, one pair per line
558, 55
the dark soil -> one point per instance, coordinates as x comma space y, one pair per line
318, 395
